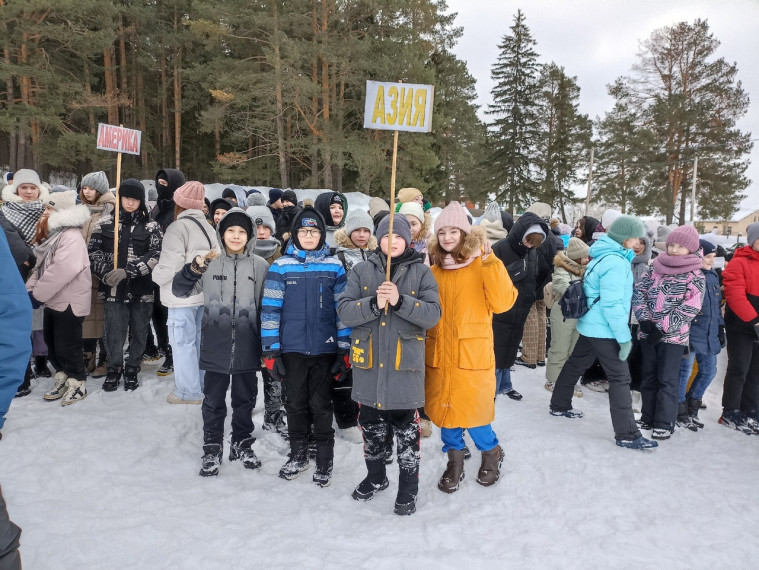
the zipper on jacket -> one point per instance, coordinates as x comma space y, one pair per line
234, 313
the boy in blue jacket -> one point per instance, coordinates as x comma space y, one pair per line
707, 339
304, 341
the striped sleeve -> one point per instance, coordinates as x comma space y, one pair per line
271, 307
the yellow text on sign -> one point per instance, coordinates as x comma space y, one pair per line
405, 107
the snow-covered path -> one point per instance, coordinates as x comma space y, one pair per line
112, 482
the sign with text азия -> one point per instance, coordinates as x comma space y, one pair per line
398, 106
118, 139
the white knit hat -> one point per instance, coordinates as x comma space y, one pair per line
61, 200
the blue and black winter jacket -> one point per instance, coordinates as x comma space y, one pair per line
704, 328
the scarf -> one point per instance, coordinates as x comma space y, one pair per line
46, 250
266, 247
665, 264
448, 262
419, 246
24, 217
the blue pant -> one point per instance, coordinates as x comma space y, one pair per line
707, 370
184, 324
483, 436
503, 380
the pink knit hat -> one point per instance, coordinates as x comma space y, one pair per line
687, 236
190, 195
453, 215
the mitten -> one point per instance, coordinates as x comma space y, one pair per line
340, 367
624, 349
654, 336
198, 265
113, 278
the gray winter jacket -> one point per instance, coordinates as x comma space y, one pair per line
387, 351
232, 289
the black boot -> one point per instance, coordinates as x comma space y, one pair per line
211, 460
375, 481
297, 460
693, 407
683, 417
325, 453
26, 386
130, 378
243, 450
112, 380
168, 364
40, 367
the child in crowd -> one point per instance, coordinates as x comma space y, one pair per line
389, 394
666, 300
740, 394
460, 384
219, 208
304, 340
420, 223
333, 206
707, 339
232, 286
61, 281
604, 331
569, 265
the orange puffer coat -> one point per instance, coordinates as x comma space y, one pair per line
460, 363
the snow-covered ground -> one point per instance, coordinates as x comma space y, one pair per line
112, 482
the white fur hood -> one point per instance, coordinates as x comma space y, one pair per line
74, 217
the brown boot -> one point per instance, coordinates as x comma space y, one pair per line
490, 469
454, 472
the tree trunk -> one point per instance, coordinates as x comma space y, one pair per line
177, 95
165, 130
9, 93
278, 98
314, 99
326, 150
126, 112
109, 63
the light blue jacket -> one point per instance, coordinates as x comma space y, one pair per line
611, 282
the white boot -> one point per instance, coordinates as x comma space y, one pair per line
426, 427
76, 391
59, 387
352, 434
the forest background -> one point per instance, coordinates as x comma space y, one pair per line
272, 93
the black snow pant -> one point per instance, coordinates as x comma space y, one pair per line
63, 336
660, 383
273, 390
346, 410
376, 425
635, 360
159, 317
10, 559
244, 392
606, 350
308, 397
741, 388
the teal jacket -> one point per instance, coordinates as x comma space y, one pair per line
611, 282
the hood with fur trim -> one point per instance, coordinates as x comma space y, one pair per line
343, 241
74, 217
561, 260
10, 196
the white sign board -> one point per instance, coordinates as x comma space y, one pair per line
398, 106
118, 139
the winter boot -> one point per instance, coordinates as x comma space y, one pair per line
454, 472
490, 468
736, 420
425, 426
297, 460
683, 417
570, 413
168, 364
89, 362
101, 369
750, 418
375, 481
26, 386
112, 380
76, 390
151, 354
59, 387
41, 368
244, 450
276, 422
661, 433
693, 407
325, 453
639, 442
211, 460
130, 378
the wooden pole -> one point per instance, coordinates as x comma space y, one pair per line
392, 209
116, 214
590, 179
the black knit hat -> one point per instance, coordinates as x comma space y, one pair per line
236, 217
220, 203
308, 217
132, 188
289, 196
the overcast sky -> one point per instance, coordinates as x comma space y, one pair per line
597, 41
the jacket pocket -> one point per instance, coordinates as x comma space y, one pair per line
409, 352
475, 348
361, 347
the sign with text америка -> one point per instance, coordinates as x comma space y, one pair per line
398, 106
118, 139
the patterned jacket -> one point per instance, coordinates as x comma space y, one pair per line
670, 301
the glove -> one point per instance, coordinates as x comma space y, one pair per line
276, 367
654, 336
198, 265
647, 326
137, 269
113, 278
721, 336
340, 367
624, 349
35, 303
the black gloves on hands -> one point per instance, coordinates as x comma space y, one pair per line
340, 367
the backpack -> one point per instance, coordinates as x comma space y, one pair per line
574, 302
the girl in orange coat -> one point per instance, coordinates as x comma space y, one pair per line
460, 363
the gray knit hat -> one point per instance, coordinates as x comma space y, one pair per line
358, 219
261, 216
752, 233
255, 199
577, 249
401, 228
97, 181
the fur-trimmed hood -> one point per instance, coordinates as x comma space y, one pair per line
10, 196
561, 260
342, 240
74, 217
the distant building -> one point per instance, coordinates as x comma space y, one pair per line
737, 225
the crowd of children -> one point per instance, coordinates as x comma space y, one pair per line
358, 320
